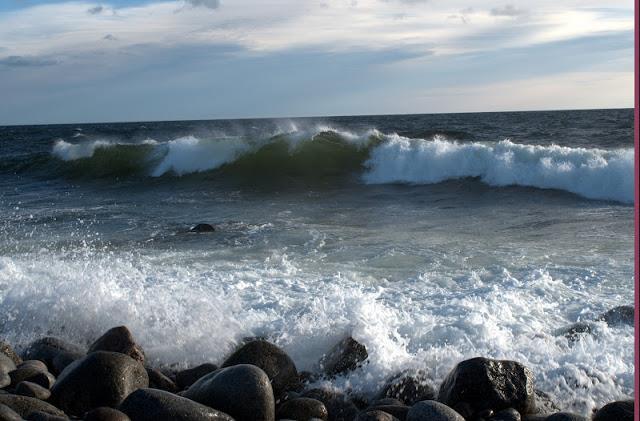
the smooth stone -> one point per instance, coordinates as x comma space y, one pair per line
119, 339
46, 349
565, 416
398, 411
337, 404
43, 416
615, 411
157, 380
619, 315
104, 413
5, 379
33, 390
375, 415
506, 415
24, 405
480, 383
35, 364
345, 356
186, 378
32, 374
432, 411
158, 405
242, 391
6, 364
63, 359
409, 387
7, 350
272, 360
202, 228
386, 401
101, 378
302, 409
8, 414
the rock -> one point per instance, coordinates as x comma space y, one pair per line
272, 360
119, 339
36, 364
46, 349
482, 383
7, 350
619, 315
345, 356
242, 391
186, 378
302, 409
154, 404
506, 415
544, 404
157, 380
5, 379
8, 414
565, 416
338, 406
614, 411
24, 405
375, 415
203, 228
6, 364
32, 374
43, 416
63, 359
409, 387
100, 379
386, 401
104, 413
398, 411
575, 331
432, 411
33, 390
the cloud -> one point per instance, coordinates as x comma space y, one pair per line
210, 4
95, 10
26, 61
508, 10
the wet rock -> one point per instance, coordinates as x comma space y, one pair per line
302, 409
398, 411
345, 356
432, 411
506, 415
119, 339
544, 404
615, 411
157, 380
375, 415
43, 416
8, 414
202, 228
35, 364
575, 331
242, 391
186, 378
409, 387
33, 375
6, 364
46, 350
565, 416
25, 405
386, 401
153, 404
5, 379
619, 316
272, 360
104, 413
100, 379
7, 350
33, 390
338, 406
482, 383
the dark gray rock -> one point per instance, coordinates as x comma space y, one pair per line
480, 383
63, 359
345, 356
159, 405
506, 415
398, 411
386, 401
565, 416
432, 411
43, 416
409, 387
24, 405
5, 379
46, 349
7, 350
619, 316
36, 364
33, 390
104, 413
302, 409
6, 364
375, 415
31, 374
157, 380
186, 378
100, 379
615, 411
544, 404
119, 339
203, 228
575, 331
8, 414
242, 391
339, 407
272, 360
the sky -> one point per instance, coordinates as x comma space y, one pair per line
130, 60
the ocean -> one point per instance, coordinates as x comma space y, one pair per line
428, 238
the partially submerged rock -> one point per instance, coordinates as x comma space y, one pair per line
621, 315
618, 411
203, 228
345, 356
409, 387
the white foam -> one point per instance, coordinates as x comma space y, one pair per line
592, 173
72, 151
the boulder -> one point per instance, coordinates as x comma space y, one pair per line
46, 350
432, 411
409, 387
614, 411
33, 375
33, 390
375, 415
302, 409
104, 413
43, 416
157, 380
7, 350
621, 315
243, 391
100, 379
63, 359
119, 339
203, 228
337, 404
398, 411
154, 404
506, 415
480, 383
25, 405
575, 331
8, 414
345, 356
272, 360
565, 416
186, 378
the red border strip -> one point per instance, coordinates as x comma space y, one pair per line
637, 218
